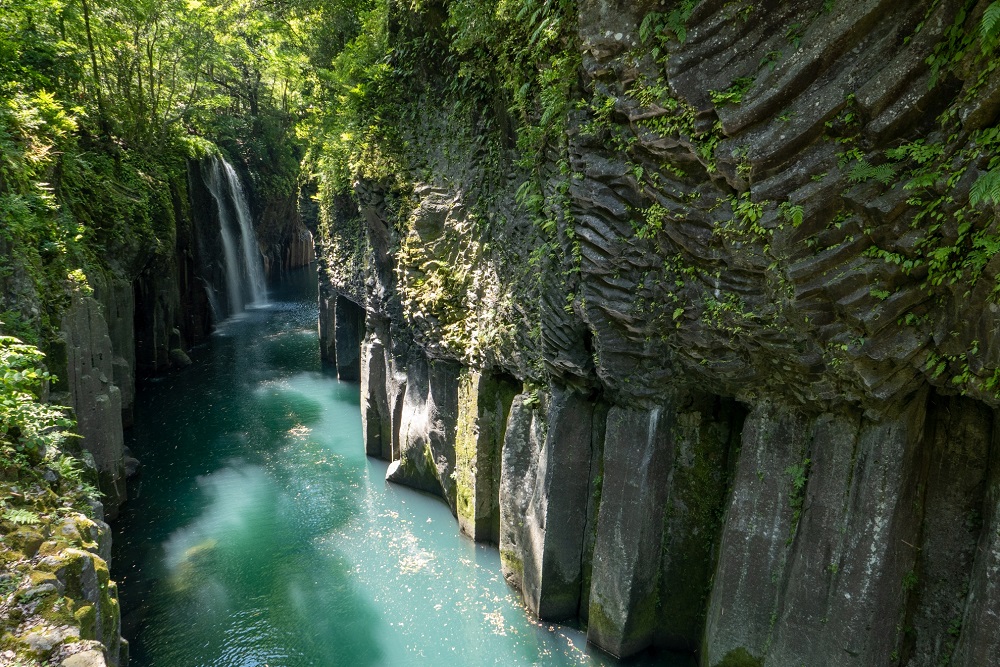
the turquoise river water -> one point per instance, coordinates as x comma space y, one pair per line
261, 535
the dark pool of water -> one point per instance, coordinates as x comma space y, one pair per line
261, 535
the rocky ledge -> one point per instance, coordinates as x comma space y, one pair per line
58, 605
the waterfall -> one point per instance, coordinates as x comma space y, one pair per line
244, 271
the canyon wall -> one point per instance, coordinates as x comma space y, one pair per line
135, 317
717, 370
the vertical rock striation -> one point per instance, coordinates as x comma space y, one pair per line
95, 399
741, 309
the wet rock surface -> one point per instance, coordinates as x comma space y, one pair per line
759, 277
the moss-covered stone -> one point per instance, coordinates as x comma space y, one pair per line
484, 400
512, 565
739, 657
86, 618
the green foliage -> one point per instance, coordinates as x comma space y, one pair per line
652, 223
918, 151
101, 103
951, 48
20, 516
733, 94
527, 47
746, 220
986, 189
989, 25
863, 171
664, 26
793, 213
26, 422
794, 35
798, 474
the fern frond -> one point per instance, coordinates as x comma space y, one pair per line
650, 24
863, 171
989, 27
986, 188
21, 516
884, 173
793, 213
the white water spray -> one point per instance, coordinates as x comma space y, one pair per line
243, 267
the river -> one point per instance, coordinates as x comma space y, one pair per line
260, 534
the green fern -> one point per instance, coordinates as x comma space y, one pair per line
68, 468
863, 171
989, 27
986, 189
793, 213
21, 516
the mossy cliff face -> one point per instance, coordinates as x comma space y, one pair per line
742, 262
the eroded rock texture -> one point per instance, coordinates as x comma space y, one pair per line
751, 330
95, 398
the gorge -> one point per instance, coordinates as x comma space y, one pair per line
688, 308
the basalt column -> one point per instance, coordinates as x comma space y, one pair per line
484, 401
327, 325
979, 643
758, 529
545, 498
427, 428
638, 450
383, 388
94, 397
349, 331
706, 432
821, 537
376, 421
341, 333
960, 434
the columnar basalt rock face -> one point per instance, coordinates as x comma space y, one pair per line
977, 642
526, 431
328, 327
484, 402
959, 438
428, 427
96, 400
638, 449
706, 435
118, 305
349, 331
753, 324
376, 421
555, 521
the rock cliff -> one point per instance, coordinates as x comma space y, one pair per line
716, 369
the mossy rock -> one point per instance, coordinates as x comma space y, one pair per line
86, 618
512, 563
740, 657
26, 540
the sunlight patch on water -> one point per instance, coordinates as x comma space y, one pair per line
263, 536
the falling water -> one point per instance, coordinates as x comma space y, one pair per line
243, 267
251, 254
